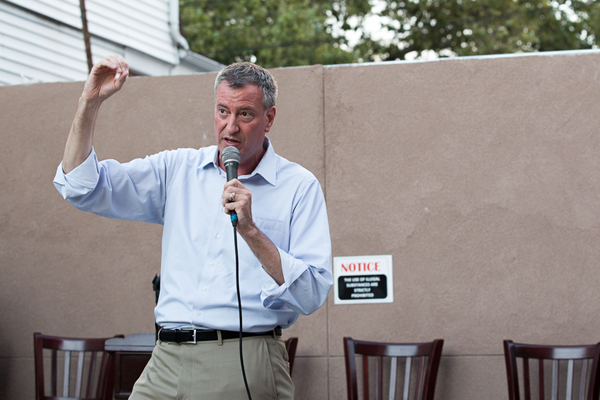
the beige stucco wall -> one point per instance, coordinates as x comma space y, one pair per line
479, 176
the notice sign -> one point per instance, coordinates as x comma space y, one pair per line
363, 279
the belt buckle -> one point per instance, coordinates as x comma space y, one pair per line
192, 341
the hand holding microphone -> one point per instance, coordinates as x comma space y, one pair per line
235, 195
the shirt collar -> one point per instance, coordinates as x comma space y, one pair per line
267, 167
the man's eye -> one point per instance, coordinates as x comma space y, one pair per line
222, 111
245, 114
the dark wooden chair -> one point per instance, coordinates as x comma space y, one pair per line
418, 378
574, 371
290, 345
93, 375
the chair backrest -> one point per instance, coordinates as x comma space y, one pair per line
420, 361
290, 346
573, 375
92, 373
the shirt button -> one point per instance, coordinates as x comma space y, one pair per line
204, 288
218, 236
198, 313
211, 263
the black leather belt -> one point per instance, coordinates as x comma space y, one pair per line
198, 335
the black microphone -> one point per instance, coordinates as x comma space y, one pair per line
231, 160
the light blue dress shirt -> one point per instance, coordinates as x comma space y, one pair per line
181, 189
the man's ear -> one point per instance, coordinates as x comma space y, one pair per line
271, 112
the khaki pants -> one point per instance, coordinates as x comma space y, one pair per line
211, 371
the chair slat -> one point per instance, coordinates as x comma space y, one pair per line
407, 377
379, 378
541, 379
569, 394
526, 379
583, 379
67, 373
79, 374
366, 376
90, 380
420, 375
554, 380
53, 369
393, 376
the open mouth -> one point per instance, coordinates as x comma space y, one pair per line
230, 141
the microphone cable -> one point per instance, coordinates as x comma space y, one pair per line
231, 160
239, 298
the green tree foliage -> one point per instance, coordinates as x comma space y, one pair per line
276, 33
470, 27
272, 33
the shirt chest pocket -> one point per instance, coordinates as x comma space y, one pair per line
276, 230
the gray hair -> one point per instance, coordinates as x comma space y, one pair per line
241, 74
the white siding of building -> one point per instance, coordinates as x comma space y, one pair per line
41, 40
143, 25
34, 49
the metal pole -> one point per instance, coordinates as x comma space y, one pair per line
86, 35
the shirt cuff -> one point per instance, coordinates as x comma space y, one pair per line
292, 269
80, 181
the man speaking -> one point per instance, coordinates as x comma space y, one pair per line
284, 247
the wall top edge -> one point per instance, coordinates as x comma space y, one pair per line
483, 57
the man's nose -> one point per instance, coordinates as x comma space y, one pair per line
232, 124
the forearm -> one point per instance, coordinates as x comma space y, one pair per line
105, 79
79, 142
266, 253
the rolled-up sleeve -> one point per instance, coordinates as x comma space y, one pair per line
134, 191
80, 181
